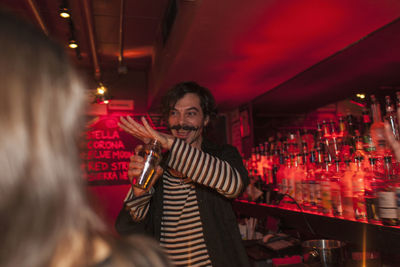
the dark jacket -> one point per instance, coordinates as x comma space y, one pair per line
221, 232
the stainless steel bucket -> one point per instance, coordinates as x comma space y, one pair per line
323, 252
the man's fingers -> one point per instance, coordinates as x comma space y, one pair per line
398, 116
125, 128
159, 171
161, 137
128, 122
394, 144
129, 129
149, 130
389, 134
138, 163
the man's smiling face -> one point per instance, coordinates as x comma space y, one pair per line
188, 112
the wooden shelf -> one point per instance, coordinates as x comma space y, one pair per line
375, 236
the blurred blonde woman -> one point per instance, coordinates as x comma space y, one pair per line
45, 218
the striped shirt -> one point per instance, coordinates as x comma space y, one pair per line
181, 226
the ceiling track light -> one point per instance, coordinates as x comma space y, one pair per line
72, 44
64, 12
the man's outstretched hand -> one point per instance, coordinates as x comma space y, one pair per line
144, 132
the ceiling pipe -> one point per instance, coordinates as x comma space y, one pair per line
89, 21
38, 17
121, 67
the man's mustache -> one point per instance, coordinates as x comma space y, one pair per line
184, 127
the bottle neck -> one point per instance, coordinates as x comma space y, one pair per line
376, 112
342, 127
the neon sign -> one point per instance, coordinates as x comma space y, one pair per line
107, 149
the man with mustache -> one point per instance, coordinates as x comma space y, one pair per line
188, 206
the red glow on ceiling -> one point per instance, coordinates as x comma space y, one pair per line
278, 40
139, 52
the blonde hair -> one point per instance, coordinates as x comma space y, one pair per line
45, 216
42, 198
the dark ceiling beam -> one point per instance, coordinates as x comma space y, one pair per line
121, 34
89, 22
32, 4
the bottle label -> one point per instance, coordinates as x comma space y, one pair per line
398, 196
318, 196
284, 186
298, 191
398, 201
387, 213
326, 197
306, 191
387, 200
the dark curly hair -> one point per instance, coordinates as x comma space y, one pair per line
207, 101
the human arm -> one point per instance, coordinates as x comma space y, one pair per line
225, 174
138, 206
391, 140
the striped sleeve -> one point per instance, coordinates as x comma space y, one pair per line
138, 206
205, 169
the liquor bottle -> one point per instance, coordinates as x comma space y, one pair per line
253, 159
320, 139
334, 143
359, 152
347, 190
291, 177
268, 152
293, 147
299, 176
387, 196
263, 164
373, 184
319, 134
336, 196
391, 117
314, 189
360, 212
320, 155
282, 174
326, 188
308, 138
307, 166
343, 140
325, 139
351, 128
266, 164
276, 162
258, 160
366, 125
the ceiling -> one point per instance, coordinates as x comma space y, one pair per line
280, 56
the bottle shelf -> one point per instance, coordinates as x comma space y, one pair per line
374, 236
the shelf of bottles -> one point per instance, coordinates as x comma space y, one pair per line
343, 170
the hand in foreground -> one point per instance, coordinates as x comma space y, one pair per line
145, 132
393, 143
135, 168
